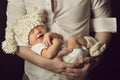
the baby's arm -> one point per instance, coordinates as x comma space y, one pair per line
52, 50
49, 37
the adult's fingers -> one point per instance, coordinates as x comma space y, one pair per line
73, 73
82, 69
79, 62
64, 52
93, 61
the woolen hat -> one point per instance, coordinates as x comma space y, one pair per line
18, 33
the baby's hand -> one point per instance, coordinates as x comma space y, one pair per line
47, 40
57, 42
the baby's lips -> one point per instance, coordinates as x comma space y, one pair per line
39, 35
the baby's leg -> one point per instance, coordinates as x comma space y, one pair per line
78, 50
73, 43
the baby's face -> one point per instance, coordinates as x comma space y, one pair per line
37, 34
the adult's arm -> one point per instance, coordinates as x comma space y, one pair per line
55, 65
104, 25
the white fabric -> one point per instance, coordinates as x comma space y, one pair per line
38, 48
76, 53
65, 19
36, 73
101, 24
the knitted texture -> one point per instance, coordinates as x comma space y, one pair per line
95, 47
22, 28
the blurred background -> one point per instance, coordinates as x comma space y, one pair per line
12, 67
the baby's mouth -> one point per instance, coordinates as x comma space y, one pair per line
40, 36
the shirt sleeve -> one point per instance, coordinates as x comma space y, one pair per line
38, 48
102, 21
15, 10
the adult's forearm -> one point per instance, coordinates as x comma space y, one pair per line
27, 54
103, 37
54, 65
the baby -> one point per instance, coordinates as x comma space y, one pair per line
31, 31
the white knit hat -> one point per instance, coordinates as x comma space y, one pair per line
22, 28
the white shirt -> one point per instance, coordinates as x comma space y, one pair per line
68, 17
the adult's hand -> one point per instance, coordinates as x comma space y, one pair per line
82, 67
56, 64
